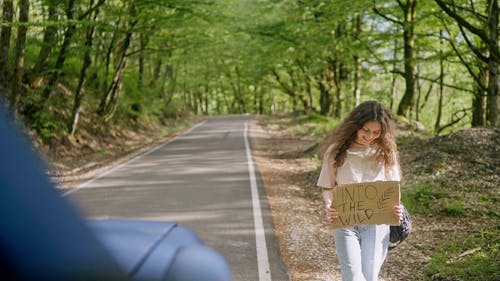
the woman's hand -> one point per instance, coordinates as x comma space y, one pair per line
397, 210
331, 213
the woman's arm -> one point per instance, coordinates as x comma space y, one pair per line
331, 213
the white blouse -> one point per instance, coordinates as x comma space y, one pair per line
360, 165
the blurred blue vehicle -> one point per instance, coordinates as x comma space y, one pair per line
43, 237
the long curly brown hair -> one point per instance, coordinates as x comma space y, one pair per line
344, 134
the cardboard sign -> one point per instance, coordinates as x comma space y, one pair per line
366, 203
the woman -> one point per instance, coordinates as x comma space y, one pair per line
361, 149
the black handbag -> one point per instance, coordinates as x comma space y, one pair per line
399, 232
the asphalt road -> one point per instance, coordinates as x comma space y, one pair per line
205, 180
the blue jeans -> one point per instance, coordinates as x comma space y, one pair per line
361, 251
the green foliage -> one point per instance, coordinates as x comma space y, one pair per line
491, 201
45, 125
227, 51
315, 124
455, 208
314, 118
47, 121
473, 257
423, 198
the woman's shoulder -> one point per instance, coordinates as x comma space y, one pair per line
329, 149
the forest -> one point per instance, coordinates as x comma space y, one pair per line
91, 80
66, 63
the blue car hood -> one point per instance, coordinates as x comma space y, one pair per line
148, 250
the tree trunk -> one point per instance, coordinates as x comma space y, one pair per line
204, 90
111, 97
310, 101
357, 65
234, 88
241, 99
61, 58
437, 125
394, 75
418, 86
5, 34
218, 102
340, 73
339, 76
408, 100
307, 101
185, 90
113, 92
156, 72
224, 96
109, 51
143, 43
287, 89
493, 64
18, 62
325, 98
479, 103
339, 87
357, 79
260, 90
77, 104
49, 36
168, 79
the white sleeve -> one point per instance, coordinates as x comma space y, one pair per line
327, 175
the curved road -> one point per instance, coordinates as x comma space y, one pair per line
204, 179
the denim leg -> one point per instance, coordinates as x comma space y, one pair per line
348, 248
361, 251
374, 242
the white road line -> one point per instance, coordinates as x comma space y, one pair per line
107, 172
260, 236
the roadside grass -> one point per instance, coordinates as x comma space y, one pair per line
473, 257
468, 257
425, 198
96, 144
421, 198
312, 124
315, 124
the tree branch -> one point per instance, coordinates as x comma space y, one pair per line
91, 10
435, 81
461, 58
461, 21
473, 48
285, 87
391, 19
454, 120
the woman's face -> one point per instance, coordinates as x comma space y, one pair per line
370, 131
